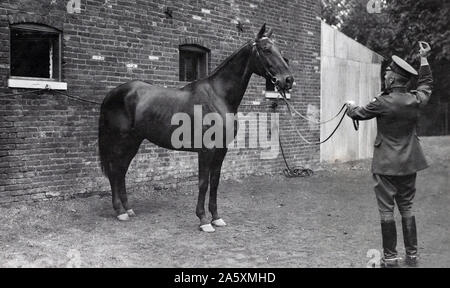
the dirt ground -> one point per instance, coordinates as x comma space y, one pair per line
328, 220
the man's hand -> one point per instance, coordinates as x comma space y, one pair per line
350, 103
425, 49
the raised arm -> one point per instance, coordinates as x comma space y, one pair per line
425, 83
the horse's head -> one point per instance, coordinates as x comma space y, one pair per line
269, 63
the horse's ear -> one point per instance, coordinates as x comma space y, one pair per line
261, 32
269, 34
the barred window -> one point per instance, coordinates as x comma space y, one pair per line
194, 62
35, 52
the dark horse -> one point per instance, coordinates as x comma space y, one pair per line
137, 110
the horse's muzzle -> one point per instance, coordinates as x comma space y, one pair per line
289, 82
285, 83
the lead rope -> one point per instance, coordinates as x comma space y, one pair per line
77, 98
291, 109
302, 171
296, 171
53, 91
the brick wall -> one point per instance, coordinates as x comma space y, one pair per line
48, 143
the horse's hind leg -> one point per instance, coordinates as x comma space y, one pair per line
124, 151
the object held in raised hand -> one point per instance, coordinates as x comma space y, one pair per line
425, 48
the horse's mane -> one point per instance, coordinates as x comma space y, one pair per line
228, 59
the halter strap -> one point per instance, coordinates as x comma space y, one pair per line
263, 61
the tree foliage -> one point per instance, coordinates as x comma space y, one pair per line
427, 20
399, 26
333, 12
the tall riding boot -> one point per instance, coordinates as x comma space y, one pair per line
410, 239
389, 233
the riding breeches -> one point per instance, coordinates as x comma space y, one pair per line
395, 189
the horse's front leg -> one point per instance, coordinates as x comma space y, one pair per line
204, 166
216, 166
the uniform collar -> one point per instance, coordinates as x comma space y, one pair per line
398, 89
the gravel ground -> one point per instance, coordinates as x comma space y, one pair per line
328, 220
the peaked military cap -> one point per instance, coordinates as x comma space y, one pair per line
402, 67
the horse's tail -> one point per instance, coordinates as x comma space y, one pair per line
103, 142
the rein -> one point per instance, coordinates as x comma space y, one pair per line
301, 171
291, 108
292, 172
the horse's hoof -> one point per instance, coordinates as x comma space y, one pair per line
219, 223
123, 217
207, 228
131, 213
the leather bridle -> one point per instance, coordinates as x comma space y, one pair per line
267, 74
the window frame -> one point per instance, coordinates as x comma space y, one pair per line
37, 82
194, 48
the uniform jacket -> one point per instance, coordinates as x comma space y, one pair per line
397, 147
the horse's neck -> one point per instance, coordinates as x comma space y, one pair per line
231, 80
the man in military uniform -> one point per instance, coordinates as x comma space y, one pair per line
398, 155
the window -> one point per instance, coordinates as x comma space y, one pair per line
35, 56
194, 62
